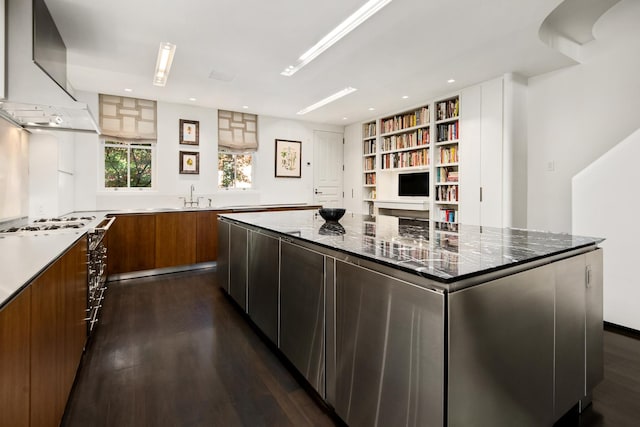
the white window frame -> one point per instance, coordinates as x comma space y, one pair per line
104, 142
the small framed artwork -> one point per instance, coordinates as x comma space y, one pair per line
288, 158
190, 162
189, 132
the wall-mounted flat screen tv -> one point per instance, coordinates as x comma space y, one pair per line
413, 184
49, 50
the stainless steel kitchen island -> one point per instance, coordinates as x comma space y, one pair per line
393, 322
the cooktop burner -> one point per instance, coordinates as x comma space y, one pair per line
50, 224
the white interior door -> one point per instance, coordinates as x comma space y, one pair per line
328, 169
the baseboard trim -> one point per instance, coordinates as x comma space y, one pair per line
159, 271
623, 330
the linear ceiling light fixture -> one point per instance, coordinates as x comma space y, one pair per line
344, 92
163, 63
351, 23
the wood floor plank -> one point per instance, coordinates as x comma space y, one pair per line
172, 350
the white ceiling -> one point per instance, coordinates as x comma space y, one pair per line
410, 47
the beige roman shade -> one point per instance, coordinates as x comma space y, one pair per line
237, 132
124, 118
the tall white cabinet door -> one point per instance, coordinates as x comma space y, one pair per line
491, 153
353, 168
470, 127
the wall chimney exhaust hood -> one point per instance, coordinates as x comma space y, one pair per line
38, 95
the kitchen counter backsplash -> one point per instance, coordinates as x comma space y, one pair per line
415, 246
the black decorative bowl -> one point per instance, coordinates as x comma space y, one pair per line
331, 214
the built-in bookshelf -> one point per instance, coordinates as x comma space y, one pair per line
405, 140
369, 156
447, 129
425, 139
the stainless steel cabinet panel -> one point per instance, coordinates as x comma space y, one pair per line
238, 264
389, 343
263, 281
222, 263
569, 333
302, 312
501, 351
594, 331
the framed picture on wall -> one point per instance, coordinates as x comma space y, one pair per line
189, 132
288, 158
190, 162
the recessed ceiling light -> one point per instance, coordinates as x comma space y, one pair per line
344, 118
344, 92
405, 96
345, 27
245, 106
451, 81
192, 99
126, 89
371, 108
163, 63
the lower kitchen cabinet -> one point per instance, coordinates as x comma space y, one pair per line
132, 244
262, 283
207, 236
58, 334
238, 268
175, 239
302, 323
15, 352
389, 350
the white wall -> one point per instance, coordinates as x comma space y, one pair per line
170, 185
14, 171
590, 187
576, 114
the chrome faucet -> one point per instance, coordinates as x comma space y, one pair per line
191, 202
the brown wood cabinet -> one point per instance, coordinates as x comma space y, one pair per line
58, 333
132, 243
175, 239
140, 242
207, 236
15, 352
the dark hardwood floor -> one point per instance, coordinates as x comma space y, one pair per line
173, 351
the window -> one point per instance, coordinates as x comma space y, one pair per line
234, 170
128, 164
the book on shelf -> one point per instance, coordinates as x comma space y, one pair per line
369, 130
369, 163
405, 159
369, 146
418, 117
448, 154
370, 178
447, 109
447, 132
447, 193
447, 174
449, 215
406, 140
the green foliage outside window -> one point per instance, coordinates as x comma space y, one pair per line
234, 170
127, 165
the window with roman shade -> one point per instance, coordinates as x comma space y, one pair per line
128, 119
237, 132
129, 134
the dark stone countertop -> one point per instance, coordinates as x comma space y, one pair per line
416, 247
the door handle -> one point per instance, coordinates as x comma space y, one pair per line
317, 192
